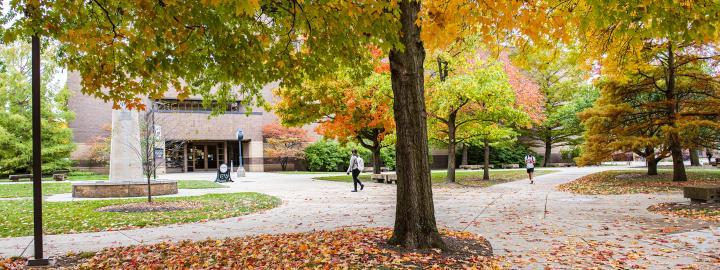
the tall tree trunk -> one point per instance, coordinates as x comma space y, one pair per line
451, 148
414, 212
652, 164
486, 163
548, 152
694, 157
675, 146
464, 154
376, 158
677, 157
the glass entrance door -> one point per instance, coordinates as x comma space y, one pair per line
200, 156
205, 155
212, 156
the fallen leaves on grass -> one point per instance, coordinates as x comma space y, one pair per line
150, 207
340, 249
699, 211
632, 182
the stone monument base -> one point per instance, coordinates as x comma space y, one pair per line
118, 189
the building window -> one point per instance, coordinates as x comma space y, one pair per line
195, 106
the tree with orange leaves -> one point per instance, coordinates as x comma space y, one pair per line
348, 105
284, 143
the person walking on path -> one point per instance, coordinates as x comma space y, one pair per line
356, 166
530, 166
708, 153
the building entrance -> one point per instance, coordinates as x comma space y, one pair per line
205, 155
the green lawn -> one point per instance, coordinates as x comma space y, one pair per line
196, 184
50, 188
306, 172
471, 178
80, 216
637, 181
25, 189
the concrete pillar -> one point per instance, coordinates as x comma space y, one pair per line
125, 151
255, 156
225, 153
185, 157
205, 156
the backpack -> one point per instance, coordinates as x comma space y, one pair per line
360, 163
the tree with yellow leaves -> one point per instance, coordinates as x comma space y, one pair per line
128, 50
654, 109
657, 40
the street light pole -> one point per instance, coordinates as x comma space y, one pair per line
39, 259
241, 168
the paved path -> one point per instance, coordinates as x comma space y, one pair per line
574, 231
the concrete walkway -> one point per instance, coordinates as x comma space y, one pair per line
530, 225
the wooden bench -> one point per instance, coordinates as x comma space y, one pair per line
510, 166
702, 194
560, 164
59, 176
17, 177
370, 169
390, 178
475, 167
378, 177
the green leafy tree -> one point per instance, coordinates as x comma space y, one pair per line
16, 114
473, 104
562, 82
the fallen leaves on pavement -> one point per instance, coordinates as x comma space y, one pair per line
699, 211
633, 182
12, 263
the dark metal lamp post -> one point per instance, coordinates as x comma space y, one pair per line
39, 259
241, 168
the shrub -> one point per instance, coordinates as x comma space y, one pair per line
99, 152
387, 154
570, 154
330, 156
500, 154
325, 155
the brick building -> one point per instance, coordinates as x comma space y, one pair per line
191, 139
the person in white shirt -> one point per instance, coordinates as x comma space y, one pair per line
355, 166
530, 166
